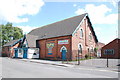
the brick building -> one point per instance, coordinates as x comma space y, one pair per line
21, 48
99, 48
112, 49
8, 48
64, 39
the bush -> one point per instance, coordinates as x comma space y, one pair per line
86, 56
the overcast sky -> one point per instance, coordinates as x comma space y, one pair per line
29, 14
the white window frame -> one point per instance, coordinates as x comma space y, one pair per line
79, 46
81, 35
19, 50
63, 47
106, 51
90, 36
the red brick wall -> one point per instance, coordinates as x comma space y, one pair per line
9, 51
72, 47
115, 44
5, 51
85, 41
56, 54
12, 49
119, 48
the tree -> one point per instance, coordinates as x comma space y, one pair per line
8, 33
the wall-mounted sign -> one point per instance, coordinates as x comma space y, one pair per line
109, 51
63, 42
50, 46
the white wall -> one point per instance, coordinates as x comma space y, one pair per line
20, 54
32, 52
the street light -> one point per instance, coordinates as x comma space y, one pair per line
107, 59
78, 57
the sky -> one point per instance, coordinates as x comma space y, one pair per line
30, 14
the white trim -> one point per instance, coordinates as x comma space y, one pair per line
80, 31
90, 35
79, 25
63, 47
81, 45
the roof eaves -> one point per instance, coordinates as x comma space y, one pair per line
96, 40
79, 25
15, 42
53, 37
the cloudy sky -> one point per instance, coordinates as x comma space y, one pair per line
29, 14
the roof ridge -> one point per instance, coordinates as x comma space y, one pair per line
58, 21
32, 35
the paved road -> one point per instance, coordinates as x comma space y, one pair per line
112, 63
12, 68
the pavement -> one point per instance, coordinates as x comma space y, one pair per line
86, 64
23, 68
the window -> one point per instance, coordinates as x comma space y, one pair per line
20, 51
109, 51
88, 50
90, 36
24, 45
92, 49
81, 33
79, 48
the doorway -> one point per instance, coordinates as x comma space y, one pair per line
64, 52
16, 53
25, 53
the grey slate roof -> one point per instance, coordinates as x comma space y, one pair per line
60, 28
31, 40
11, 43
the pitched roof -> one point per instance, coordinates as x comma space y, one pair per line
11, 43
60, 28
116, 41
31, 40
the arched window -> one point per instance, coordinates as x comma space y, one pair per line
63, 48
81, 33
80, 48
91, 50
88, 50
90, 36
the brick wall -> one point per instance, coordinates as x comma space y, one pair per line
85, 41
72, 46
9, 51
56, 54
115, 45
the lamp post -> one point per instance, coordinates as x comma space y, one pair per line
78, 57
107, 60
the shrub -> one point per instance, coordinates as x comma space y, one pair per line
86, 56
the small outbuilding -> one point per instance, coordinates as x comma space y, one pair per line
26, 53
28, 48
8, 48
111, 50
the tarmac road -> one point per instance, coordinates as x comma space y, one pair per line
13, 68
